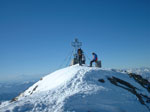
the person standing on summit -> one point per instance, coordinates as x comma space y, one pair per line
80, 56
94, 59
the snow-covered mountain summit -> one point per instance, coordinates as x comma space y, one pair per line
84, 89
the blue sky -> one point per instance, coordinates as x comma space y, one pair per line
35, 35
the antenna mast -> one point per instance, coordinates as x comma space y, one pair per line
76, 44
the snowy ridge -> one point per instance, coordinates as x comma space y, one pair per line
144, 72
80, 89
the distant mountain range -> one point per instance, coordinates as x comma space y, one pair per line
144, 72
11, 90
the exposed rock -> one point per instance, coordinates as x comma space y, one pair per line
34, 89
139, 79
143, 99
14, 99
101, 80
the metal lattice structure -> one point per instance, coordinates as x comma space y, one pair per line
76, 44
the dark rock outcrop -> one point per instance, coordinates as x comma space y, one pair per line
143, 99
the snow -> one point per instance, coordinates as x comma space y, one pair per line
144, 72
77, 89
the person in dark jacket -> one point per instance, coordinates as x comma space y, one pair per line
80, 56
94, 59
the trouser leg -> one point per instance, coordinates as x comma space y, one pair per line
91, 63
83, 62
80, 60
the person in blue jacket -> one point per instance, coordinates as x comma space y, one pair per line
94, 59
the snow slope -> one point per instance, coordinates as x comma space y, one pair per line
81, 89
